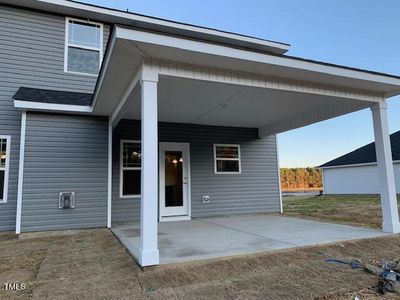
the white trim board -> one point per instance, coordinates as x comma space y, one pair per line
41, 106
21, 173
116, 115
6, 168
279, 174
109, 175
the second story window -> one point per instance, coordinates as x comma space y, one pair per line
83, 46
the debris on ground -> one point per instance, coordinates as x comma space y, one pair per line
387, 271
355, 264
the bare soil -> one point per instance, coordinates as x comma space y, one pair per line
92, 264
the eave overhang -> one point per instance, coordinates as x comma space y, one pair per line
130, 48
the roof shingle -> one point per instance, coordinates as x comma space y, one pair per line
53, 96
365, 154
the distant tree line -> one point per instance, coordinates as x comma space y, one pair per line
300, 178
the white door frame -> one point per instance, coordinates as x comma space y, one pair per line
185, 148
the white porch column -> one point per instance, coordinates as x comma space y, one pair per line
385, 169
148, 252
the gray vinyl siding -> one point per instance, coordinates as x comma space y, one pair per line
65, 153
31, 55
255, 190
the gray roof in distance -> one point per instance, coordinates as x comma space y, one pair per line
53, 96
365, 154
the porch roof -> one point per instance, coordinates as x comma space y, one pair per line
211, 84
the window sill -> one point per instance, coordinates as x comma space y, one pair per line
130, 196
227, 173
81, 74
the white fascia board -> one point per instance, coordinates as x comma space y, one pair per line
104, 68
224, 51
116, 115
40, 106
115, 16
354, 165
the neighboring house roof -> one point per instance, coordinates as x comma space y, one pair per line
365, 154
52, 96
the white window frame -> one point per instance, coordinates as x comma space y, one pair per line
122, 168
6, 168
67, 44
235, 159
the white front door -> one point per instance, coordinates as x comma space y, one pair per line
174, 181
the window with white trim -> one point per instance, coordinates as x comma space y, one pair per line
4, 166
83, 46
227, 159
130, 168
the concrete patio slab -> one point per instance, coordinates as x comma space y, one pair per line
235, 235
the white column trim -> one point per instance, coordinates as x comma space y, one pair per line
148, 250
21, 173
279, 174
390, 213
109, 179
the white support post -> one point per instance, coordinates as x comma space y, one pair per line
109, 179
148, 252
20, 173
279, 174
385, 169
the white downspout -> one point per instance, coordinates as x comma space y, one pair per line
20, 173
279, 175
109, 178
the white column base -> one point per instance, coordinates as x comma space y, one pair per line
149, 257
391, 227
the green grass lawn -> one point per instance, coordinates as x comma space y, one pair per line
359, 210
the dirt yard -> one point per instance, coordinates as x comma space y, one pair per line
92, 264
353, 210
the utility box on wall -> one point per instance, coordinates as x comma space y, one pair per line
66, 200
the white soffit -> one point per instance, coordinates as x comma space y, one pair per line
208, 103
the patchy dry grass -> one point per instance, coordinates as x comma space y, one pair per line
348, 209
92, 264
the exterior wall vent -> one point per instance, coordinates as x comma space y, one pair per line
66, 200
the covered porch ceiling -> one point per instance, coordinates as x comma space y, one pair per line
182, 100
203, 83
